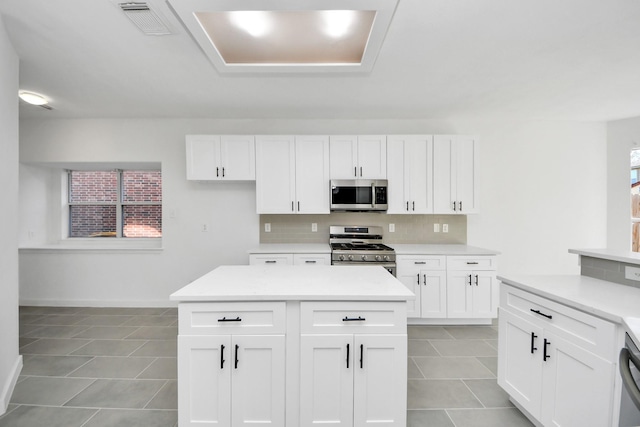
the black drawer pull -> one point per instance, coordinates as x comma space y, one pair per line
310, 261
533, 342
472, 262
270, 261
353, 319
224, 319
420, 262
548, 316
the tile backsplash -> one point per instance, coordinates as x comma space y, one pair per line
408, 228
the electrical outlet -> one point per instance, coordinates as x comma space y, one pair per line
267, 227
445, 228
632, 273
314, 227
436, 228
392, 228
205, 227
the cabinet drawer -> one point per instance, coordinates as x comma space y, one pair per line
338, 317
258, 259
471, 263
312, 259
421, 262
589, 332
210, 318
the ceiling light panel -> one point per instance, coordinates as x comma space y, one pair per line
288, 35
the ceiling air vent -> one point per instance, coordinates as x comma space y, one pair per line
144, 18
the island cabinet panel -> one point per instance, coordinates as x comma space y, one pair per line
232, 318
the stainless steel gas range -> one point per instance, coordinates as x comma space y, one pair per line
359, 245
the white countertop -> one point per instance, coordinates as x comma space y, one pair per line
443, 249
610, 254
296, 283
601, 298
291, 248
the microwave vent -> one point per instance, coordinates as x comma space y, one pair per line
145, 18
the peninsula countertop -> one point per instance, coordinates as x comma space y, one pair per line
292, 282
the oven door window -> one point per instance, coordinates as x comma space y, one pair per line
351, 195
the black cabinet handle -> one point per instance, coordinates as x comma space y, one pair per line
414, 205
470, 280
407, 206
533, 342
472, 262
270, 261
217, 171
236, 357
424, 279
353, 319
361, 355
476, 280
460, 206
418, 277
222, 356
347, 356
223, 172
454, 206
224, 319
548, 316
355, 171
298, 206
545, 356
360, 170
310, 261
292, 206
420, 262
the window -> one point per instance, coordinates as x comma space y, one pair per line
120, 203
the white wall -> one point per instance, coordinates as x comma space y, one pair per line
10, 361
542, 192
622, 137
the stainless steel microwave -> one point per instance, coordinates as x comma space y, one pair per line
359, 195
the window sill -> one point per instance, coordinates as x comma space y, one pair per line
97, 245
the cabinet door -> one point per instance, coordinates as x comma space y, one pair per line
270, 259
238, 157
204, 380
257, 363
577, 386
372, 157
312, 174
203, 156
397, 197
520, 349
418, 165
459, 294
433, 294
344, 156
275, 174
380, 384
443, 196
311, 259
465, 173
484, 294
409, 275
326, 380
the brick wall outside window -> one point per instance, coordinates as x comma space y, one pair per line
94, 206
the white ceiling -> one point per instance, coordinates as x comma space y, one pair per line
535, 59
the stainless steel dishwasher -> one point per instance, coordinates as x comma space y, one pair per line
630, 400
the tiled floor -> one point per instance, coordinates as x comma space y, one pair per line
108, 367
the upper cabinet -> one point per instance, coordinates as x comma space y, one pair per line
410, 174
218, 158
358, 157
292, 174
455, 174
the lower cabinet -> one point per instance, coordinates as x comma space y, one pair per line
426, 277
231, 380
546, 370
290, 259
472, 294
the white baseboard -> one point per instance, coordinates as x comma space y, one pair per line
97, 303
10, 384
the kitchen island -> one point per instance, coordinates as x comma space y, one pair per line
286, 346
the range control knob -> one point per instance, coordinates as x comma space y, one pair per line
350, 257
386, 257
341, 257
364, 257
378, 257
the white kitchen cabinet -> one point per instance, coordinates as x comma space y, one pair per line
227, 375
290, 259
555, 362
410, 174
311, 259
472, 287
358, 156
455, 173
220, 157
292, 174
426, 277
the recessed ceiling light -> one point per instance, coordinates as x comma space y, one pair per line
32, 98
254, 22
338, 22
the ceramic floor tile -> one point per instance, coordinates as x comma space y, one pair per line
158, 348
135, 311
430, 418
109, 348
452, 367
440, 394
22, 341
167, 397
413, 371
428, 332
492, 343
421, 348
173, 311
150, 321
491, 363
113, 367
133, 418
28, 329
510, 417
163, 368
155, 333
60, 319
463, 348
27, 319
107, 332
104, 320
490, 393
472, 332
117, 394
56, 331
49, 310
44, 416
56, 366
53, 346
48, 390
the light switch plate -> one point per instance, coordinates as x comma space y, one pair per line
632, 273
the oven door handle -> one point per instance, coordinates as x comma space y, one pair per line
373, 193
627, 357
